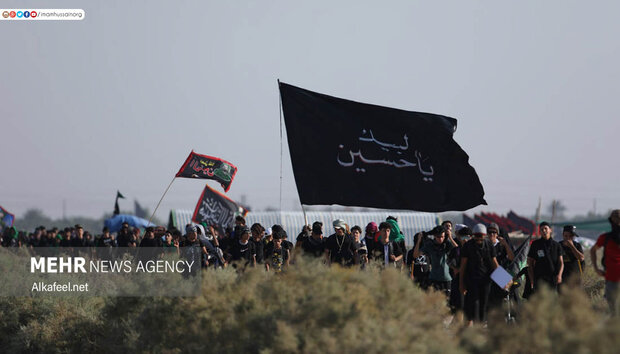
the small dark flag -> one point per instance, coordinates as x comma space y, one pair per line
215, 208
140, 211
358, 154
519, 262
116, 208
208, 167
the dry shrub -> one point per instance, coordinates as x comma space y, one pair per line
308, 309
49, 324
549, 323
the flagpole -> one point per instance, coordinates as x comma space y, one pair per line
536, 232
305, 217
281, 145
162, 198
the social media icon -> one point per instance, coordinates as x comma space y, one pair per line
12, 14
20, 14
33, 14
26, 14
5, 14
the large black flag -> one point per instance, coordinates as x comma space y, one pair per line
357, 154
216, 208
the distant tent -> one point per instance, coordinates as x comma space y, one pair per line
469, 221
114, 223
179, 218
586, 229
410, 222
510, 223
594, 225
526, 225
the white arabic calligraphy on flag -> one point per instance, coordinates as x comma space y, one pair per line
399, 162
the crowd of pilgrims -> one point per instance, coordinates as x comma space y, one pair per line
455, 260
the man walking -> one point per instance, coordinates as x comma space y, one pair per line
339, 246
437, 252
314, 245
504, 255
610, 242
574, 259
545, 262
385, 251
477, 262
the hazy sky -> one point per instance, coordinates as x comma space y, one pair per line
118, 100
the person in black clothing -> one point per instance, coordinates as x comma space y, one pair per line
88, 239
285, 243
65, 240
504, 255
277, 257
275, 230
12, 237
78, 241
242, 251
544, 260
239, 223
225, 240
314, 245
258, 231
104, 244
304, 234
193, 250
454, 261
574, 259
449, 228
419, 268
267, 242
503, 249
149, 239
288, 245
7, 235
360, 251
52, 237
124, 236
339, 246
370, 238
477, 262
386, 252
34, 238
150, 246
170, 245
44, 241
135, 237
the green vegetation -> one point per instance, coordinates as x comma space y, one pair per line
308, 309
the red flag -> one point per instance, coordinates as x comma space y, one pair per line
208, 167
216, 208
